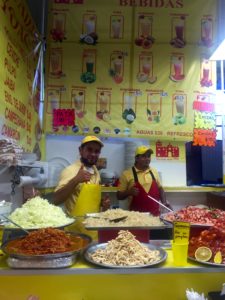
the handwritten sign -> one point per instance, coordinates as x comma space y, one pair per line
63, 117
181, 231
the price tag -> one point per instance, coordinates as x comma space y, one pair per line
181, 231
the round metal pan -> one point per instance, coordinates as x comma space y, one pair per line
92, 248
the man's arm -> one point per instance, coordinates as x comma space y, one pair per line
124, 189
65, 191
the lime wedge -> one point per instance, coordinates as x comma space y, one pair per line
218, 257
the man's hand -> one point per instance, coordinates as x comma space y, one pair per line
83, 175
105, 203
134, 191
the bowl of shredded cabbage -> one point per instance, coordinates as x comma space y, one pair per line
39, 213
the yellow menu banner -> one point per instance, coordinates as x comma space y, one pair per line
129, 68
19, 101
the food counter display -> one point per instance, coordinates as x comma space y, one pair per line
85, 281
149, 271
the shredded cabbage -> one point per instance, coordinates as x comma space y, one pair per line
39, 213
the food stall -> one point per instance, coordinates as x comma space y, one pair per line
147, 94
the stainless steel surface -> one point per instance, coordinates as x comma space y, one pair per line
51, 263
36, 228
17, 225
127, 227
163, 218
206, 262
92, 248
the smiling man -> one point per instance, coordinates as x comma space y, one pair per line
79, 184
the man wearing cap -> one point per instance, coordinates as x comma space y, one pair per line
78, 186
141, 181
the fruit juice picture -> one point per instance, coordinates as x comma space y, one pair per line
78, 102
206, 31
178, 28
59, 21
117, 66
144, 26
179, 109
154, 107
206, 73
116, 26
146, 64
103, 105
89, 59
129, 107
56, 62
177, 68
89, 23
53, 100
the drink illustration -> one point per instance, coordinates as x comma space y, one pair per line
179, 109
146, 69
53, 100
129, 107
145, 38
206, 32
78, 102
89, 66
154, 107
56, 62
145, 26
89, 35
103, 105
116, 67
146, 66
178, 30
206, 76
58, 27
116, 30
177, 68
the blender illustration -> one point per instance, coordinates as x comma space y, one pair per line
129, 107
207, 32
179, 109
154, 107
78, 102
177, 68
178, 31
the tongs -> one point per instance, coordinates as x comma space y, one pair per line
17, 225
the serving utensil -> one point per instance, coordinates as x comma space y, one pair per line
17, 225
170, 210
115, 220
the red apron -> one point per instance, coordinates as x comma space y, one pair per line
141, 202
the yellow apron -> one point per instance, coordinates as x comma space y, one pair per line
88, 201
